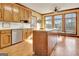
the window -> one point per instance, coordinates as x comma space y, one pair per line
48, 22
58, 23
38, 24
34, 22
70, 23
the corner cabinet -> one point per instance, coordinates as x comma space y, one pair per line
5, 38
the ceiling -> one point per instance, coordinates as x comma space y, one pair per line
49, 7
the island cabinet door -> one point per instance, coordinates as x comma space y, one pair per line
7, 11
5, 40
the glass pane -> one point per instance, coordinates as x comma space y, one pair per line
38, 24
48, 22
70, 23
33, 22
58, 23
70, 15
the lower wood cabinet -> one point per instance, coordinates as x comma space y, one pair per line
26, 33
5, 38
44, 42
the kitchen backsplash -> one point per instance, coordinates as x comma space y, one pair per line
14, 25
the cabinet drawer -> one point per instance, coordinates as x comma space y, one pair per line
6, 31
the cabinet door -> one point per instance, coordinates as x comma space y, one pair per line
5, 40
1, 12
27, 33
7, 10
22, 13
26, 14
30, 15
24, 34
16, 12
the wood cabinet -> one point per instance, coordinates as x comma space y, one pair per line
25, 14
43, 42
16, 12
26, 33
7, 12
30, 15
5, 38
12, 12
1, 12
22, 13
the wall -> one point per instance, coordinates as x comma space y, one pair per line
38, 15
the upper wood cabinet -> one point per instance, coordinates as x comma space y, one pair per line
1, 12
22, 13
25, 13
7, 11
16, 12
12, 12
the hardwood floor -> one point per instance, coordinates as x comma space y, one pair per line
67, 46
20, 49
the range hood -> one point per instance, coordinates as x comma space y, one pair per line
24, 21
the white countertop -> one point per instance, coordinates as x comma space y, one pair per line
12, 28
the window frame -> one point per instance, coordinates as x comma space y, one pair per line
75, 21
36, 22
61, 20
45, 20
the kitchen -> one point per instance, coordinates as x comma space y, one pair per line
15, 25
22, 28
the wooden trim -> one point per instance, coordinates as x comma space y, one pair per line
63, 19
62, 11
28, 8
75, 19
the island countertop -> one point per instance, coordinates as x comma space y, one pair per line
57, 32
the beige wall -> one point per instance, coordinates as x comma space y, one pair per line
38, 15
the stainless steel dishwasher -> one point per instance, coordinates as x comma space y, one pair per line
16, 36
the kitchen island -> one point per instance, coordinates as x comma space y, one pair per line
44, 42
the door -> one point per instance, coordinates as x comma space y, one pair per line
7, 8
5, 40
